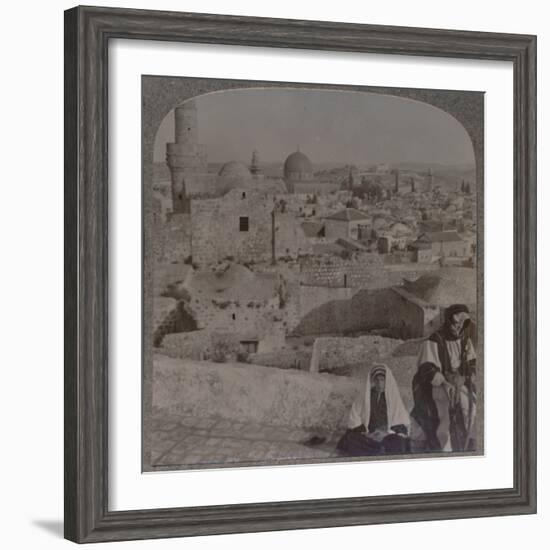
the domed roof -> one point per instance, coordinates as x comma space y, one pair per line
379, 222
449, 286
297, 162
399, 228
235, 169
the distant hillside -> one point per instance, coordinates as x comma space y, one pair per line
425, 166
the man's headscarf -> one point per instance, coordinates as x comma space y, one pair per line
450, 311
360, 410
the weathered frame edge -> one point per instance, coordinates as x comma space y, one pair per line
87, 32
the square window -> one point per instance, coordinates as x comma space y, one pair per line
243, 223
250, 346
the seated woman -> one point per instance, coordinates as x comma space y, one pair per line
378, 422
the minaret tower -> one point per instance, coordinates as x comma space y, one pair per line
185, 155
350, 180
430, 180
396, 190
255, 163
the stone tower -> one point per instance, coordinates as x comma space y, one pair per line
186, 155
430, 180
255, 163
396, 188
351, 180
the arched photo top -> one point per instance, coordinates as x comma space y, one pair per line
329, 126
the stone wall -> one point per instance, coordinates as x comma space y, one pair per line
251, 393
311, 297
172, 239
290, 239
217, 233
335, 353
411, 317
170, 316
284, 359
335, 229
365, 271
288, 269
249, 320
338, 272
201, 345
170, 276
450, 248
200, 184
322, 187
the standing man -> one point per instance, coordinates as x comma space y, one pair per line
444, 386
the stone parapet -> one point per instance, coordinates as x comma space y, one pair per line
252, 393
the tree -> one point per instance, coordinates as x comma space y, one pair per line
373, 192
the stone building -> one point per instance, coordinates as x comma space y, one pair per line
314, 231
171, 241
187, 160
237, 301
235, 169
347, 224
298, 168
299, 177
246, 226
445, 286
384, 244
392, 311
379, 226
395, 237
409, 316
422, 252
445, 243
419, 311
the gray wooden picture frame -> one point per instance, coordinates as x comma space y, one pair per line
87, 34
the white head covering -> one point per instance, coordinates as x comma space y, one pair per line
360, 410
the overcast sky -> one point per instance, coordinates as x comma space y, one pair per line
328, 126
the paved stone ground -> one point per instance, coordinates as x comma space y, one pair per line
192, 442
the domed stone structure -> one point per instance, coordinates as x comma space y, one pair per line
399, 229
235, 169
298, 167
449, 286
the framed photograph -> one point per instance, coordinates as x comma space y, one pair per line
300, 265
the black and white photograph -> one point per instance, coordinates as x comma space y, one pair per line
273, 275
313, 273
